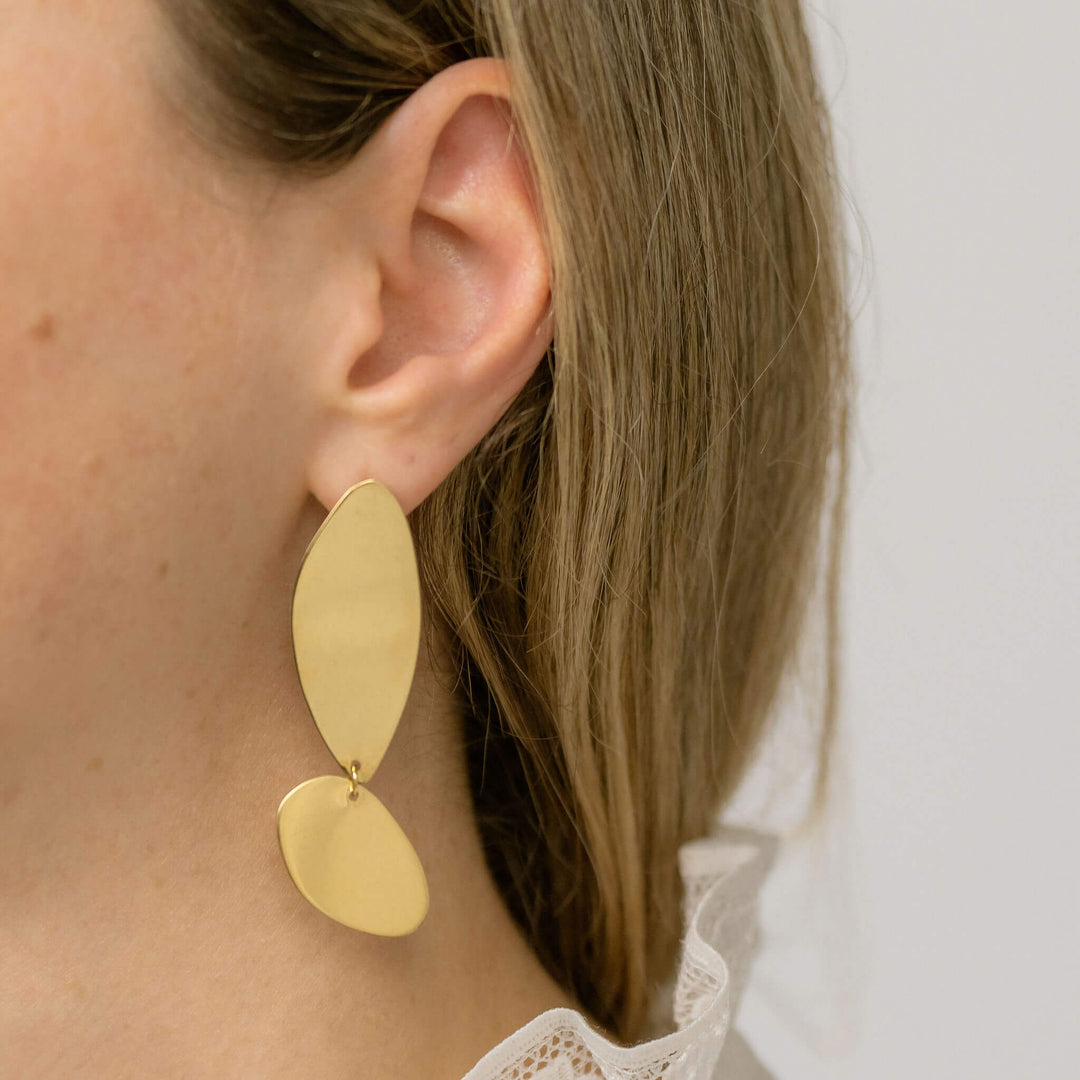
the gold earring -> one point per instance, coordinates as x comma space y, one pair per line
356, 632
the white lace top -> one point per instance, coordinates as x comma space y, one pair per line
688, 1034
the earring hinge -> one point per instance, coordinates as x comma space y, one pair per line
354, 780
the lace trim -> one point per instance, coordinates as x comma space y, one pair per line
722, 875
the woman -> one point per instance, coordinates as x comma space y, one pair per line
567, 279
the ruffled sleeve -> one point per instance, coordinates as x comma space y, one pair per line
689, 1036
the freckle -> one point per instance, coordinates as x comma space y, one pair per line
206, 471
158, 880
76, 988
95, 764
44, 329
92, 463
245, 622
163, 567
151, 847
189, 693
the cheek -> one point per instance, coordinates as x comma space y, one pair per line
136, 486
134, 406
123, 533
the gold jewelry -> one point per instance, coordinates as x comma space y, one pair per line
356, 633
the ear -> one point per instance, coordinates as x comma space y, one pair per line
456, 313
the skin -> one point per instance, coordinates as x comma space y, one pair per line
196, 360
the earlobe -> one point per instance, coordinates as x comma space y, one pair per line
463, 296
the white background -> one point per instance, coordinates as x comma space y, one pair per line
934, 933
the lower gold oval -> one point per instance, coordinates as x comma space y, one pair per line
351, 859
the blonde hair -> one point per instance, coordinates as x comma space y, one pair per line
625, 563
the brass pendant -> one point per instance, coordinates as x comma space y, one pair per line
356, 634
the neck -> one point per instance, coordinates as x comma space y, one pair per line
150, 926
